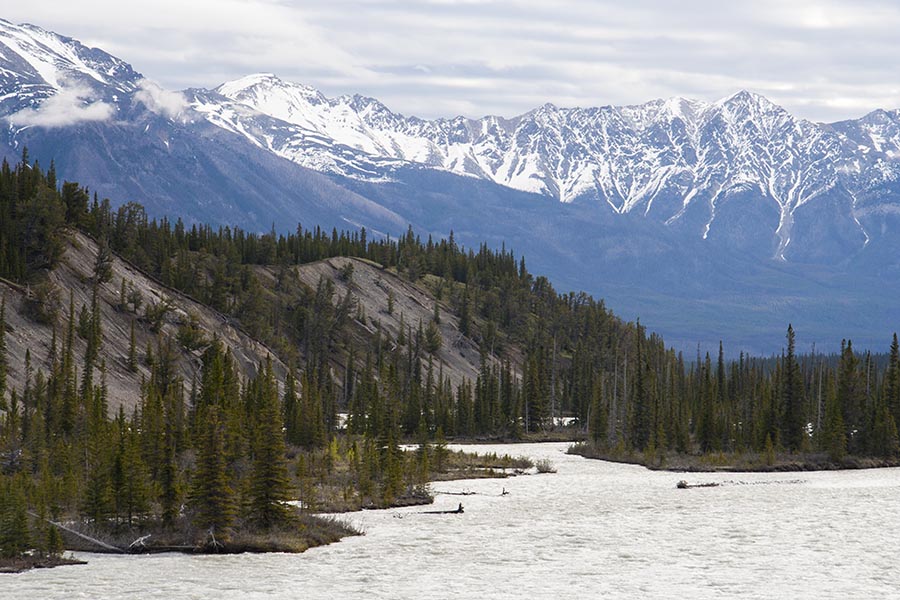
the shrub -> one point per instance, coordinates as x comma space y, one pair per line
543, 465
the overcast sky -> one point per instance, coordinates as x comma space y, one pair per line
824, 60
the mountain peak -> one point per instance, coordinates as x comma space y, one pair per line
241, 84
35, 56
749, 99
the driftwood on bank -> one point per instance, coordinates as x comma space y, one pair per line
100, 543
684, 485
457, 511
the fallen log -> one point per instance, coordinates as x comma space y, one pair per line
684, 485
100, 543
457, 511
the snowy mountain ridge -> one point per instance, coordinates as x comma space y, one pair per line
656, 158
36, 64
678, 161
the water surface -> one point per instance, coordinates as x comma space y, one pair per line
591, 530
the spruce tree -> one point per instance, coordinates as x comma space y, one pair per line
269, 487
212, 498
851, 397
892, 381
14, 534
131, 480
598, 422
835, 436
170, 492
793, 425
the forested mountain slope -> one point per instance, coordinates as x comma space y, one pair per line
154, 321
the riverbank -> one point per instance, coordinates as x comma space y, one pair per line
559, 434
339, 493
312, 523
26, 563
731, 462
302, 532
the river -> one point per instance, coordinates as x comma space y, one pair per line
592, 530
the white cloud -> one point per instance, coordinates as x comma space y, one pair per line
73, 104
822, 59
160, 101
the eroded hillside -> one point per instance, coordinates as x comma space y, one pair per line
33, 313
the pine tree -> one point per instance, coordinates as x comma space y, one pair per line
835, 436
96, 502
640, 399
851, 398
598, 422
433, 338
269, 487
103, 263
212, 498
14, 534
131, 480
170, 486
793, 427
892, 381
465, 318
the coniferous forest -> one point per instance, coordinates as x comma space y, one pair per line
216, 458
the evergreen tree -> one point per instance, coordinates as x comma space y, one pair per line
14, 534
598, 423
851, 398
793, 431
170, 485
269, 488
835, 436
891, 381
131, 479
433, 338
212, 499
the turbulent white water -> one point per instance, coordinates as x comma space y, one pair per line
593, 529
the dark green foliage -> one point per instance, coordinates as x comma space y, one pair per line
892, 381
269, 487
103, 263
433, 338
793, 431
598, 422
14, 533
212, 498
130, 476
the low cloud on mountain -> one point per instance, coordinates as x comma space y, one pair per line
73, 104
159, 100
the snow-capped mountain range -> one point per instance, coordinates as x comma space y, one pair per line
656, 158
699, 199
